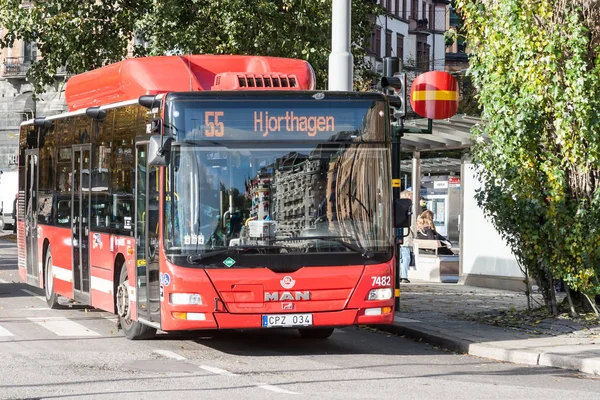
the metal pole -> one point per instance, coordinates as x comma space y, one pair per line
341, 61
416, 189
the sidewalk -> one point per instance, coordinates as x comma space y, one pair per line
450, 315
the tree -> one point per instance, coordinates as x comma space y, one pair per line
81, 35
536, 66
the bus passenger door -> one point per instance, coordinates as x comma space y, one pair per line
80, 209
31, 208
146, 237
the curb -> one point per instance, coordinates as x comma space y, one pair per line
432, 337
532, 357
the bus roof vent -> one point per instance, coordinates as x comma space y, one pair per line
272, 81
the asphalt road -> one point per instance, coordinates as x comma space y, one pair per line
77, 353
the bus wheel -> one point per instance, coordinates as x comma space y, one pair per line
316, 333
51, 296
133, 329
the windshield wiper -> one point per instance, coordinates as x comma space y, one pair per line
194, 258
338, 239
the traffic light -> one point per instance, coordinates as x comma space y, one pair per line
398, 99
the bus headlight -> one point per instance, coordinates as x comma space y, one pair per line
185, 298
380, 294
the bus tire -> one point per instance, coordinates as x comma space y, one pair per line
316, 333
51, 296
133, 330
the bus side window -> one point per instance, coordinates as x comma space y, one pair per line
101, 211
63, 216
123, 213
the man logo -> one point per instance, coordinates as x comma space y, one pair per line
287, 282
287, 306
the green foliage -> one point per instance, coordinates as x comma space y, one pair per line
537, 70
80, 35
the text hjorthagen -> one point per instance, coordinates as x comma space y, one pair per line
266, 124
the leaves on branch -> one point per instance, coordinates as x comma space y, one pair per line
81, 35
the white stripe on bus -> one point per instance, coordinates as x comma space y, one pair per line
132, 294
102, 285
63, 326
62, 274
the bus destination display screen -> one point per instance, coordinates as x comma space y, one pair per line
276, 121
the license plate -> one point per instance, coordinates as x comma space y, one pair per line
286, 320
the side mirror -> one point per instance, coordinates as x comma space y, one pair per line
96, 113
402, 212
159, 150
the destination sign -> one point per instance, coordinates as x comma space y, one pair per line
270, 120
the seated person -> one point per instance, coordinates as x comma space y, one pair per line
426, 230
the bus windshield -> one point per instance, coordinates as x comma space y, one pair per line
282, 191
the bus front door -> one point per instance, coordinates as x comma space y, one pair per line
80, 208
146, 237
31, 208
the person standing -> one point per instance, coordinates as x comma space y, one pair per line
405, 248
14, 213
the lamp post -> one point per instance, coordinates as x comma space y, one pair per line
340, 59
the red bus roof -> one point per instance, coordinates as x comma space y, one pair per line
134, 77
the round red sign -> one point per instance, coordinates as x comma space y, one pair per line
434, 95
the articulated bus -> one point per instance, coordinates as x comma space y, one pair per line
211, 192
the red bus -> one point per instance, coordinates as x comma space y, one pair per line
211, 192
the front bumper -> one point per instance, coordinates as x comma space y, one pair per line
254, 321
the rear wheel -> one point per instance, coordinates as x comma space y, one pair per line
51, 296
133, 329
316, 333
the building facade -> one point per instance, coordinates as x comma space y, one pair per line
412, 30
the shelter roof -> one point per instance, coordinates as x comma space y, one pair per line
448, 134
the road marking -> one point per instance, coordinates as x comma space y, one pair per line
217, 371
400, 319
4, 332
63, 326
29, 292
169, 354
275, 389
35, 309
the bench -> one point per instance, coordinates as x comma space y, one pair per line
433, 267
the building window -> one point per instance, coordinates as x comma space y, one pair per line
404, 13
400, 47
388, 43
29, 52
414, 9
375, 42
397, 8
422, 53
432, 18
388, 5
423, 11
453, 17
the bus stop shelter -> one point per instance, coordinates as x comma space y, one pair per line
449, 134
